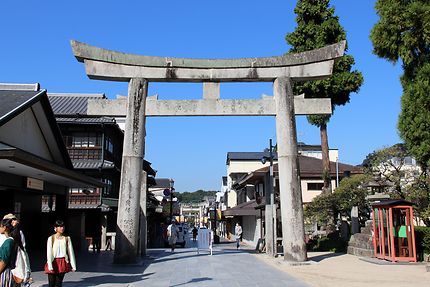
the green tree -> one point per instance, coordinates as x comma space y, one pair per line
403, 33
194, 197
419, 194
387, 165
414, 119
317, 26
326, 207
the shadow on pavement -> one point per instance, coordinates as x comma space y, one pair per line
195, 280
321, 257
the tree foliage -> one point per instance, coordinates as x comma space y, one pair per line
325, 207
414, 119
317, 26
388, 167
419, 194
194, 197
402, 32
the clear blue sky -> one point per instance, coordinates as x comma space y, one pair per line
35, 47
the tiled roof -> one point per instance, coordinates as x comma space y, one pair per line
309, 167
248, 156
12, 100
86, 120
71, 104
92, 164
162, 183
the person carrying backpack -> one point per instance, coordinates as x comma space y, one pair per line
60, 257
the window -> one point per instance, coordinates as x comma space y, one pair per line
108, 190
85, 140
108, 145
315, 186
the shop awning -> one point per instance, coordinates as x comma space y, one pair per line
16, 161
244, 209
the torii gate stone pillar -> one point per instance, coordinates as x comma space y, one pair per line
140, 70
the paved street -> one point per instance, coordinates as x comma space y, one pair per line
227, 267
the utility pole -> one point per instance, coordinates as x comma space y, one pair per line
270, 211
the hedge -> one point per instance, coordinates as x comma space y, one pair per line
422, 240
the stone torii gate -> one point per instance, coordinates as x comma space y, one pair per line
138, 71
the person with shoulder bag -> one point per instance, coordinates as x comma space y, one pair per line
60, 257
7, 255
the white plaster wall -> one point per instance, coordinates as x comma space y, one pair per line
24, 133
308, 195
251, 230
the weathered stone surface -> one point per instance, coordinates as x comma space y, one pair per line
154, 107
127, 234
293, 239
123, 73
84, 51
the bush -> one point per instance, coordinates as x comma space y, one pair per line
422, 241
327, 243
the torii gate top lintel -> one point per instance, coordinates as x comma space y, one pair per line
110, 65
83, 51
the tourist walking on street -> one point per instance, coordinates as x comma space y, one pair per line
7, 251
60, 257
16, 227
238, 234
195, 232
172, 234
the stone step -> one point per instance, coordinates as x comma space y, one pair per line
360, 252
361, 237
361, 244
366, 230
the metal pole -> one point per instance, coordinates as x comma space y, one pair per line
171, 204
337, 171
272, 201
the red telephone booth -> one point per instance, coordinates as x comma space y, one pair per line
393, 230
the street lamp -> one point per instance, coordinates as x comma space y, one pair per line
171, 182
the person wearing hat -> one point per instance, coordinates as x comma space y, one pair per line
15, 224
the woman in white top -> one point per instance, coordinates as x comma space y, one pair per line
60, 257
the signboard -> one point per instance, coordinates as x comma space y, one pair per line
205, 240
34, 183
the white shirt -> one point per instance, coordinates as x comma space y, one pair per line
60, 251
2, 239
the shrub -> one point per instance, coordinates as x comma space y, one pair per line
422, 240
327, 243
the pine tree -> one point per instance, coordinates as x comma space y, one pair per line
317, 26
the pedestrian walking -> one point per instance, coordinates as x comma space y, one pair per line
16, 226
60, 257
19, 239
195, 232
172, 234
7, 251
108, 243
238, 234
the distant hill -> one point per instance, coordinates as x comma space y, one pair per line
194, 197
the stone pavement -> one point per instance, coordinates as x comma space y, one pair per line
184, 267
231, 267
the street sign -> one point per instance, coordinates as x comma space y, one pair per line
166, 192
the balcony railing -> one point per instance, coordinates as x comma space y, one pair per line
83, 199
85, 152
